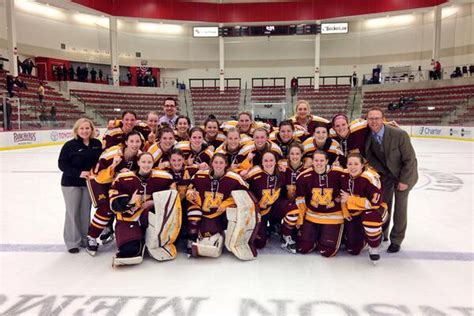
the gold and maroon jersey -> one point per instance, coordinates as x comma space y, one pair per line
331, 147
182, 178
217, 141
266, 188
116, 135
289, 177
104, 173
247, 163
244, 135
365, 192
355, 140
204, 155
180, 138
127, 183
214, 194
312, 122
158, 154
232, 157
285, 146
316, 194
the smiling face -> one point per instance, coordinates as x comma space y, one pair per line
355, 166
170, 108
320, 162
268, 162
302, 110
320, 135
260, 138
167, 141
341, 127
182, 125
218, 165
245, 122
233, 140
128, 122
211, 129
85, 131
295, 155
286, 133
375, 120
134, 142
196, 139
152, 121
145, 163
176, 162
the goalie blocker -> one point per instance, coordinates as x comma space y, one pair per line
240, 234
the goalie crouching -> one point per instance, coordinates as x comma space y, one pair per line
219, 200
141, 220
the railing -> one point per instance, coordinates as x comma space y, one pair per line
269, 82
325, 80
214, 83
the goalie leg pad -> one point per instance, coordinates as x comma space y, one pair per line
164, 225
208, 246
242, 226
130, 253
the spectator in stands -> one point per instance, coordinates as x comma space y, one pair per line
471, 70
8, 114
55, 72
101, 75
79, 73
40, 92
10, 84
93, 75
456, 73
71, 73
21, 69
354, 79
139, 80
129, 77
85, 72
64, 72
437, 70
52, 113
433, 70
170, 109
390, 152
294, 86
43, 117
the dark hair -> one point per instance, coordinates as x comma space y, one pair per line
132, 133
219, 155
287, 123
178, 152
197, 129
165, 130
129, 112
375, 109
323, 125
296, 145
170, 99
245, 113
274, 154
182, 117
210, 119
321, 152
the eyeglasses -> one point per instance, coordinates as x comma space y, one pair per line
170, 105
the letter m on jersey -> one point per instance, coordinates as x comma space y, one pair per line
322, 196
211, 201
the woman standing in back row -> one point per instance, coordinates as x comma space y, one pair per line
76, 159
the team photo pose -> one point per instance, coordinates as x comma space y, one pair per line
317, 198
131, 199
321, 141
364, 212
195, 150
304, 120
116, 159
161, 150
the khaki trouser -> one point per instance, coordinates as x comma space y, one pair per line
77, 219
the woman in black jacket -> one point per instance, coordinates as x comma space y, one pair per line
76, 159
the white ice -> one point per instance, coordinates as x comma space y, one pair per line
432, 275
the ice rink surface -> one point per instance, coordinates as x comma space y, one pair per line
432, 275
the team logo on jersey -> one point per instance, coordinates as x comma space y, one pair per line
211, 201
322, 196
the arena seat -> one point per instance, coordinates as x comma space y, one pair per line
326, 101
210, 100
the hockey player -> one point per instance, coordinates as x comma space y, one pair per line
285, 208
361, 203
209, 195
213, 136
317, 197
251, 153
305, 121
196, 151
112, 161
230, 149
285, 136
131, 201
245, 125
161, 150
183, 124
321, 141
115, 135
265, 182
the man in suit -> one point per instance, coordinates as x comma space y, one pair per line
389, 150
